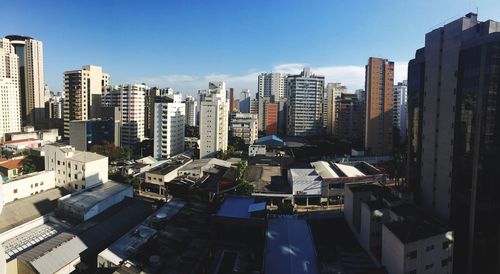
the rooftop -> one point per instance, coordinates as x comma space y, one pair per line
12, 164
20, 141
205, 163
24, 210
239, 207
86, 157
409, 231
324, 170
289, 247
270, 140
305, 181
86, 200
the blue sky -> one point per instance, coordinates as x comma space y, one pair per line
184, 44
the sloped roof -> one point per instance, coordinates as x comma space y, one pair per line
324, 170
269, 140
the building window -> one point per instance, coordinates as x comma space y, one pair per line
412, 255
31, 185
76, 167
429, 266
58, 162
15, 190
76, 186
36, 184
446, 245
76, 177
429, 248
444, 262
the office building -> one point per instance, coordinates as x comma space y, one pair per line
191, 111
10, 112
83, 94
55, 107
245, 101
130, 100
169, 125
349, 123
379, 104
454, 142
31, 78
399, 111
84, 134
214, 124
244, 126
272, 85
305, 100
333, 91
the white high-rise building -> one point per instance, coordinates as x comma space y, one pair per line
214, 110
399, 108
10, 119
191, 110
169, 123
272, 84
305, 100
333, 91
32, 89
83, 94
130, 100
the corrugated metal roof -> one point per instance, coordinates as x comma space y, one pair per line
305, 181
350, 171
84, 201
324, 170
289, 247
51, 256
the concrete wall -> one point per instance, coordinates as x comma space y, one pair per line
78, 135
22, 187
393, 252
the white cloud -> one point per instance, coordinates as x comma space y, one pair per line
351, 76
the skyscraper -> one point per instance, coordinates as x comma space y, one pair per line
334, 91
31, 78
191, 109
130, 100
83, 94
379, 102
399, 111
169, 125
214, 124
305, 100
454, 136
10, 119
272, 85
149, 110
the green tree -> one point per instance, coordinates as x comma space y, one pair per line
27, 166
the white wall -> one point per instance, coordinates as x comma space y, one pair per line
22, 186
393, 252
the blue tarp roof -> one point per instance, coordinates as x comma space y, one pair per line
272, 140
289, 247
236, 207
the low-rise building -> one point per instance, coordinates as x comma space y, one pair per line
155, 179
75, 169
396, 234
85, 204
27, 185
254, 150
196, 168
10, 168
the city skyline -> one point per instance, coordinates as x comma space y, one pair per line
227, 41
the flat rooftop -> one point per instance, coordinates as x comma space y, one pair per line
84, 201
289, 247
239, 207
413, 230
86, 157
268, 179
24, 210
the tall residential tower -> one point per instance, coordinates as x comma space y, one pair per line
379, 103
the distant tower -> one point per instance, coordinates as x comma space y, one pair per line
379, 103
31, 78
